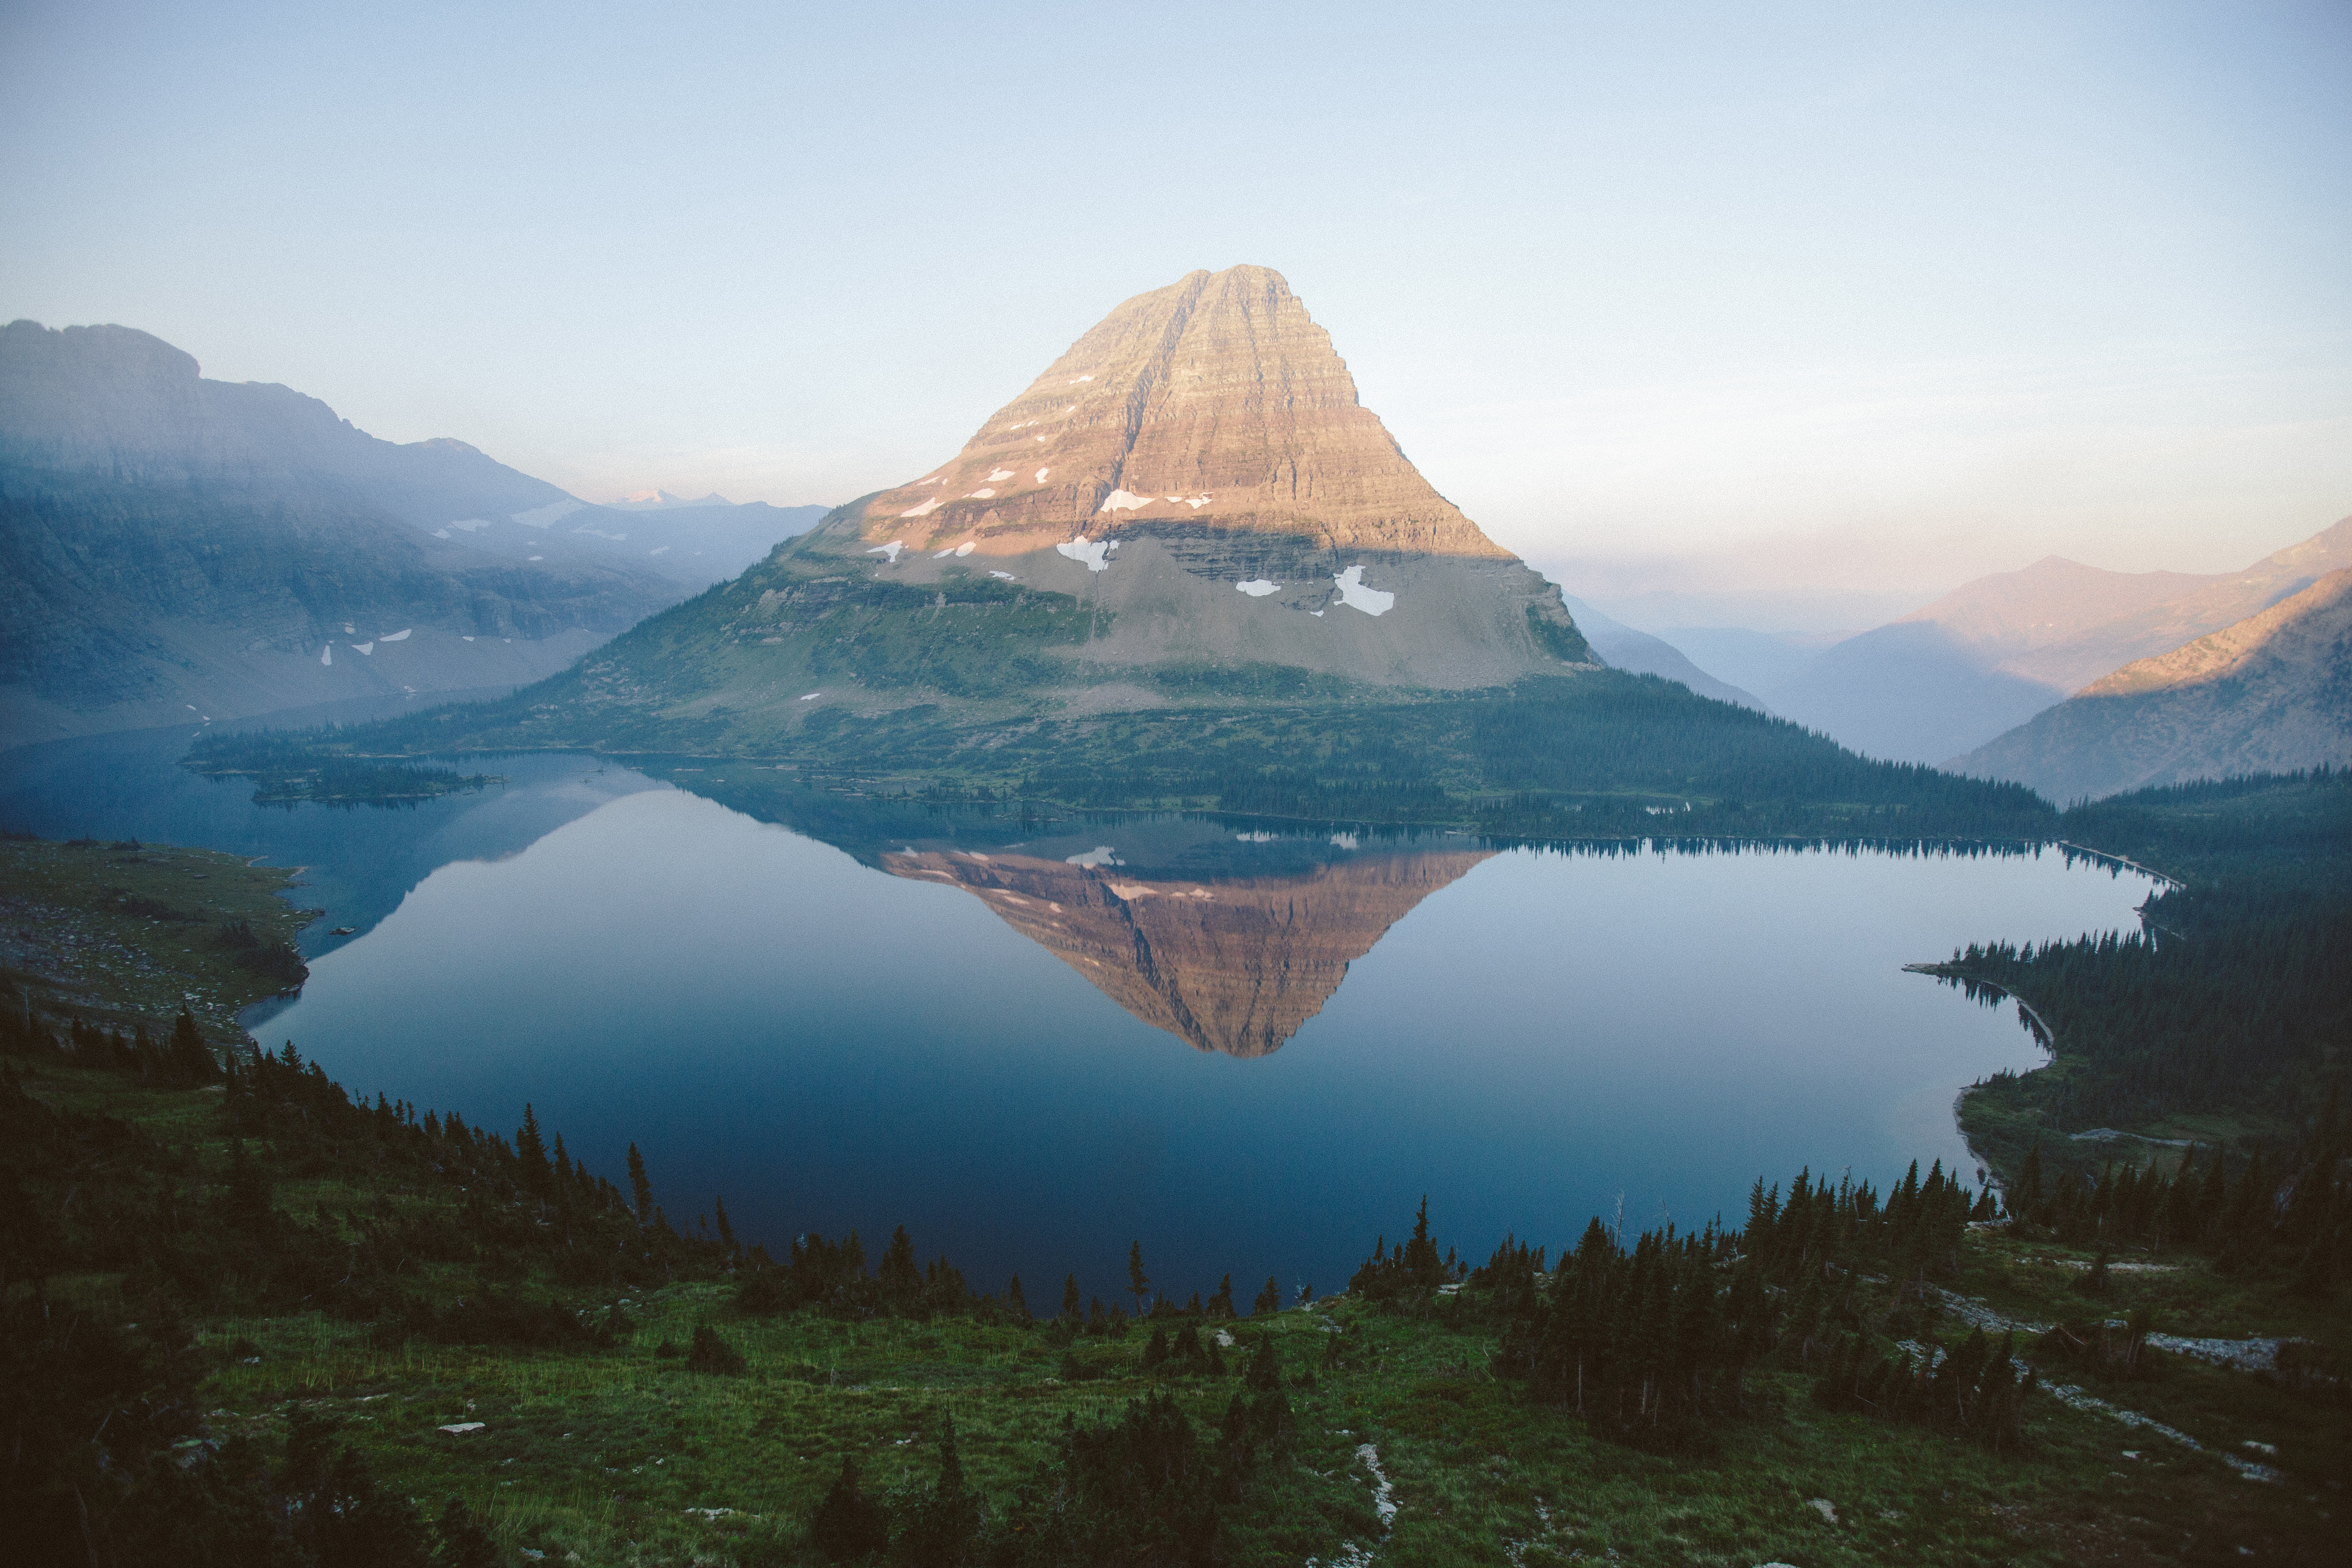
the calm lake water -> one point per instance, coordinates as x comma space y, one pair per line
1031, 1042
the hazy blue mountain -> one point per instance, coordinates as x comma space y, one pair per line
175, 548
1752, 660
693, 545
1989, 656
1626, 648
1913, 691
2270, 694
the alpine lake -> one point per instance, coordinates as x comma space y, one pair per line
1253, 1046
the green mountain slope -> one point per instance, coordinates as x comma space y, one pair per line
173, 547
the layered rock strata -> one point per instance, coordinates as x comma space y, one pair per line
1216, 400
1236, 965
1197, 477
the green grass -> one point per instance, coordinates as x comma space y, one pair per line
605, 1454
622, 1456
122, 932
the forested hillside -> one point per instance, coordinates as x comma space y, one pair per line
2227, 1015
250, 1318
1600, 754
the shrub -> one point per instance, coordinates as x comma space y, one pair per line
710, 1353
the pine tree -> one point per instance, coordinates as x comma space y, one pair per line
1136, 1282
245, 1203
641, 1189
1014, 1301
944, 1527
531, 1154
191, 1060
725, 1231
1265, 1367
464, 1542
899, 1277
1221, 1305
847, 1524
1070, 1297
2023, 1200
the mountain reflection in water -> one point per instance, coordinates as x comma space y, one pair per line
1231, 964
777, 993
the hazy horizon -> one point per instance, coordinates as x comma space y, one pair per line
1817, 316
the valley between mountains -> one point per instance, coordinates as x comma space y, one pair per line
1047, 860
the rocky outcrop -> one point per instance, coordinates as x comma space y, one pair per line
1190, 509
1236, 965
2271, 693
1216, 401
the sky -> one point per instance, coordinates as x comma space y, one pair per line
1787, 316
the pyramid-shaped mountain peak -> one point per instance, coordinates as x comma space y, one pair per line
1189, 507
1215, 401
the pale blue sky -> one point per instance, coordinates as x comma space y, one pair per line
1700, 299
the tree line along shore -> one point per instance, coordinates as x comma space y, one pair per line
252, 1318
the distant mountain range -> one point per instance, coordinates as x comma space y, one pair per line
2268, 694
176, 547
1190, 509
1626, 648
1991, 654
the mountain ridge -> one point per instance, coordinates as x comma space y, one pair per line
1995, 651
2271, 693
178, 548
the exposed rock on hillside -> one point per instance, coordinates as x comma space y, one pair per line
1189, 507
2271, 693
1216, 400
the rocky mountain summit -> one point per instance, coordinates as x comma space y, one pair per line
1190, 507
2271, 693
1214, 402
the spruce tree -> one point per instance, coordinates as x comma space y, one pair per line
725, 1231
1422, 1267
1070, 1297
1265, 1367
531, 1154
944, 1527
1014, 1301
641, 1189
191, 1060
899, 1277
464, 1544
1136, 1282
2024, 1201
847, 1524
1221, 1305
1270, 1298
